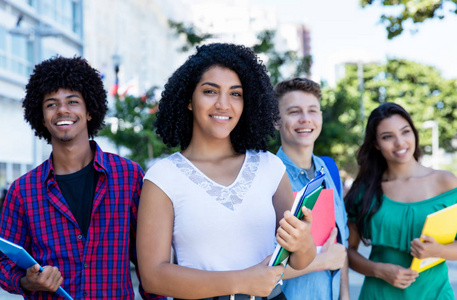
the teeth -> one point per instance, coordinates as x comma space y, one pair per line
221, 117
304, 130
401, 151
61, 123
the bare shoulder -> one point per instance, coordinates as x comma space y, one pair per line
447, 180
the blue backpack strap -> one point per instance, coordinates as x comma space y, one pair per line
333, 169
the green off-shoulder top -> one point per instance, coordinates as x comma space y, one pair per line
391, 230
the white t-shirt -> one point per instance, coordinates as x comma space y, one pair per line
221, 228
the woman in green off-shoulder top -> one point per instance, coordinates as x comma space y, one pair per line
387, 206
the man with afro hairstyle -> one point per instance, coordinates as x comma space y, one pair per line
75, 213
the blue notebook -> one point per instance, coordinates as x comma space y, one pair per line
306, 197
24, 260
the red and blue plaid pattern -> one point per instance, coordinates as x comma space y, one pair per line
36, 216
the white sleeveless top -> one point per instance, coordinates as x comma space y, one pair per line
216, 227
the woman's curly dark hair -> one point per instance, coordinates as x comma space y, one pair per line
74, 74
260, 113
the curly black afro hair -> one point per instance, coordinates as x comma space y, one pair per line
260, 113
74, 74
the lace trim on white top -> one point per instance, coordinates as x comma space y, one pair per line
230, 196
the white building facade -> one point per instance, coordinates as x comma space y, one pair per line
30, 31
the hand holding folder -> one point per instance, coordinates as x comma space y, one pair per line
306, 197
24, 260
442, 226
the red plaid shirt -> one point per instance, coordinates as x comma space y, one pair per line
36, 216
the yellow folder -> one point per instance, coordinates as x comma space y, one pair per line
442, 226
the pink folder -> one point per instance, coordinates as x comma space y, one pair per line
323, 217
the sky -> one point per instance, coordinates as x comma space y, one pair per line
343, 31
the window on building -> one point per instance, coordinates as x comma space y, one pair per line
65, 12
21, 55
2, 174
32, 3
16, 170
2, 47
76, 16
48, 8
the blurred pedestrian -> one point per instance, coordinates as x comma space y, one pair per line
76, 212
300, 125
220, 200
3, 192
387, 206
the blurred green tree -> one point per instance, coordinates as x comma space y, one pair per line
275, 60
341, 127
416, 11
133, 128
192, 35
419, 88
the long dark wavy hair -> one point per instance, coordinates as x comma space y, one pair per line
372, 165
74, 74
175, 121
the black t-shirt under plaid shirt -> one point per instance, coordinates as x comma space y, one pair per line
78, 189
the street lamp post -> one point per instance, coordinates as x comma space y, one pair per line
360, 63
435, 141
115, 123
361, 89
116, 63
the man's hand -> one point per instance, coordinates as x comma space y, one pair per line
334, 254
47, 280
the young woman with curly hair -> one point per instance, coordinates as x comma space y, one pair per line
220, 200
387, 206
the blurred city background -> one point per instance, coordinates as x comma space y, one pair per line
362, 52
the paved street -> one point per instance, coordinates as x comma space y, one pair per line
355, 280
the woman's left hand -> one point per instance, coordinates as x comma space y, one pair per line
427, 247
